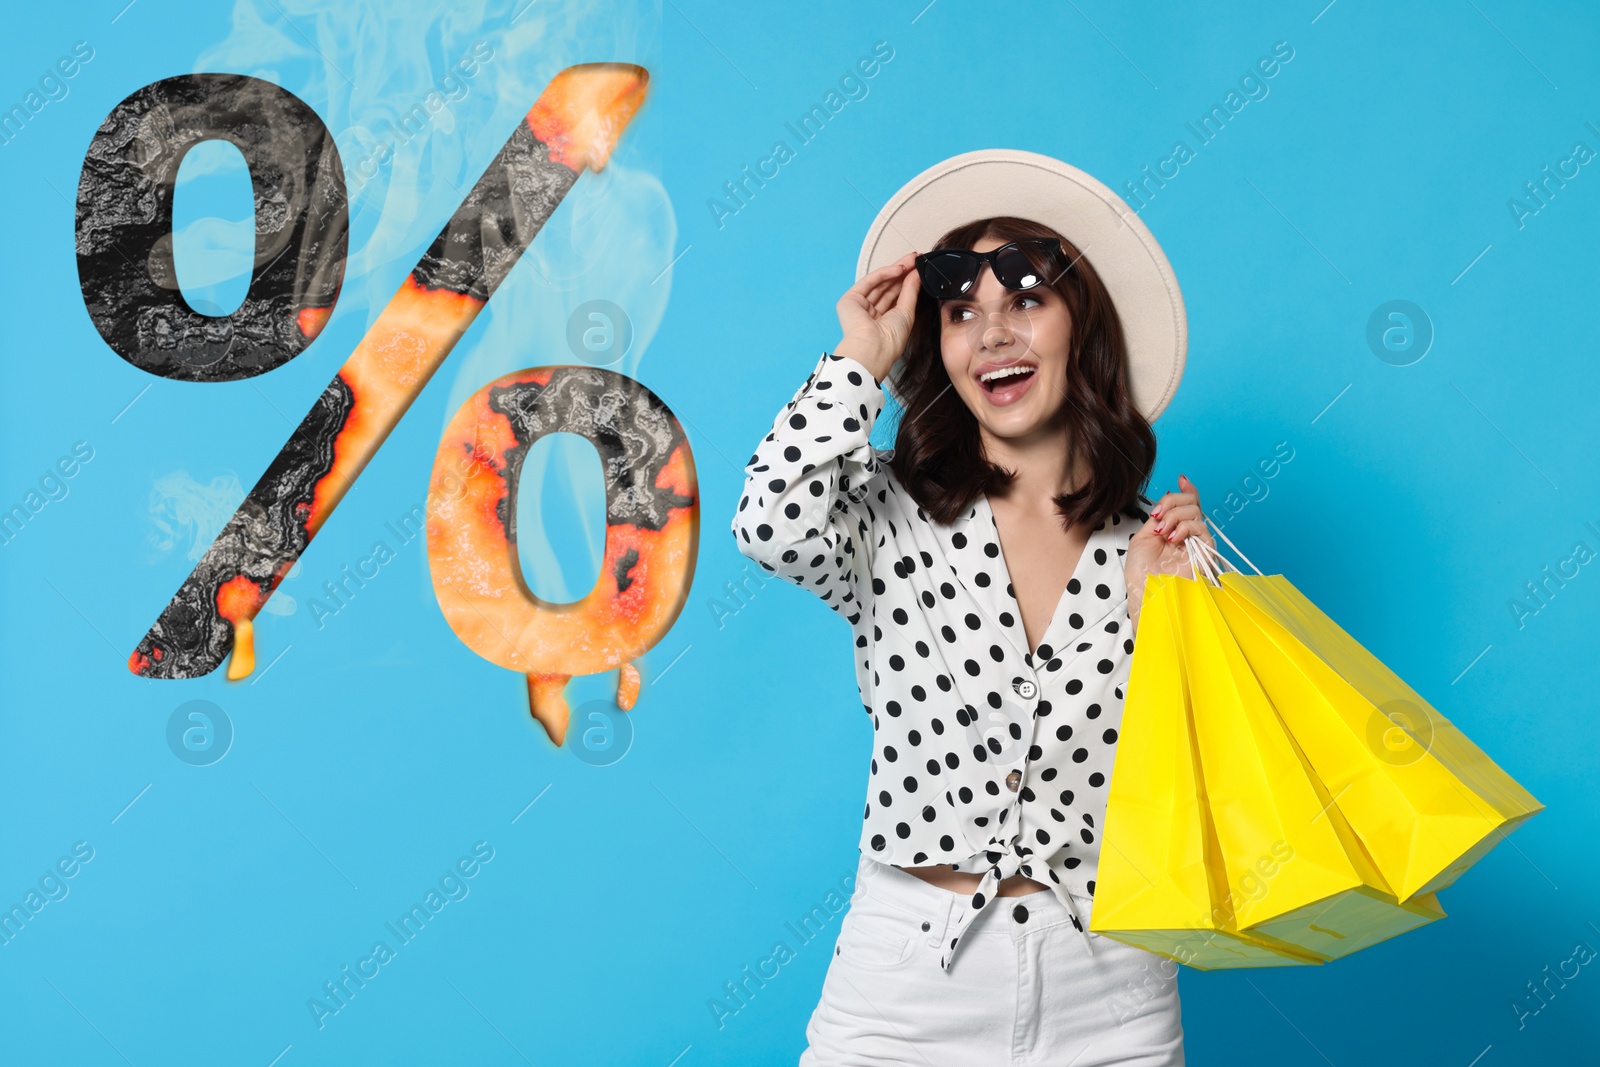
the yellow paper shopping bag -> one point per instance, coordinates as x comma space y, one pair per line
1296, 873
1158, 886
1425, 801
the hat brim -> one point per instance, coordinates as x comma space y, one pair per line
1126, 256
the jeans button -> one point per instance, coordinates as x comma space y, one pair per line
926, 926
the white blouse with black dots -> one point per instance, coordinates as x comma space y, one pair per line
987, 755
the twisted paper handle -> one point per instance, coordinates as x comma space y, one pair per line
1208, 561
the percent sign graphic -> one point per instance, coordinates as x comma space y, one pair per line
127, 274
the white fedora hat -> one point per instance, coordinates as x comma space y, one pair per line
1123, 252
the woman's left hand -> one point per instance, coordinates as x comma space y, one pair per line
1157, 547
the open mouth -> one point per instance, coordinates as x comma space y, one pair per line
1007, 380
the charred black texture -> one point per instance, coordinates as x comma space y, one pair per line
497, 221
624, 569
634, 432
269, 529
124, 226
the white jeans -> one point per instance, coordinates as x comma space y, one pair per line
1023, 989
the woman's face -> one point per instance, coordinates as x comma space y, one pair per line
1024, 334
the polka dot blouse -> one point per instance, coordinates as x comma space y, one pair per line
988, 755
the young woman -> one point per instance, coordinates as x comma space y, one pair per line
985, 565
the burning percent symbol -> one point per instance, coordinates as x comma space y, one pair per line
129, 282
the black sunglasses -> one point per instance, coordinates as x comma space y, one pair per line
952, 272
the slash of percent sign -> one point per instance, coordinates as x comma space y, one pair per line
129, 283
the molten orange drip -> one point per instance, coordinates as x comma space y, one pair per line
583, 110
627, 687
312, 320
243, 660
548, 703
238, 600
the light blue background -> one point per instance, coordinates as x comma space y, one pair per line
378, 749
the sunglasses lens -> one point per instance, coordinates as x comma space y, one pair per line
1015, 270
947, 273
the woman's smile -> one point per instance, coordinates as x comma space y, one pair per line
1005, 383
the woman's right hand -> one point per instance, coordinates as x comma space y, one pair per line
875, 315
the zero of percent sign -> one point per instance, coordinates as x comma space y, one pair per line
127, 274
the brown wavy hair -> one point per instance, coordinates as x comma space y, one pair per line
938, 453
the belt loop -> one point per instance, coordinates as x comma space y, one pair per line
1082, 923
940, 919
867, 870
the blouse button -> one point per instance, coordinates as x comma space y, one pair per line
1027, 690
1013, 779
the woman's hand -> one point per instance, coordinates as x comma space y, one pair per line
1157, 546
875, 315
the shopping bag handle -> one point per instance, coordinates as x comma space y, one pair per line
1209, 561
